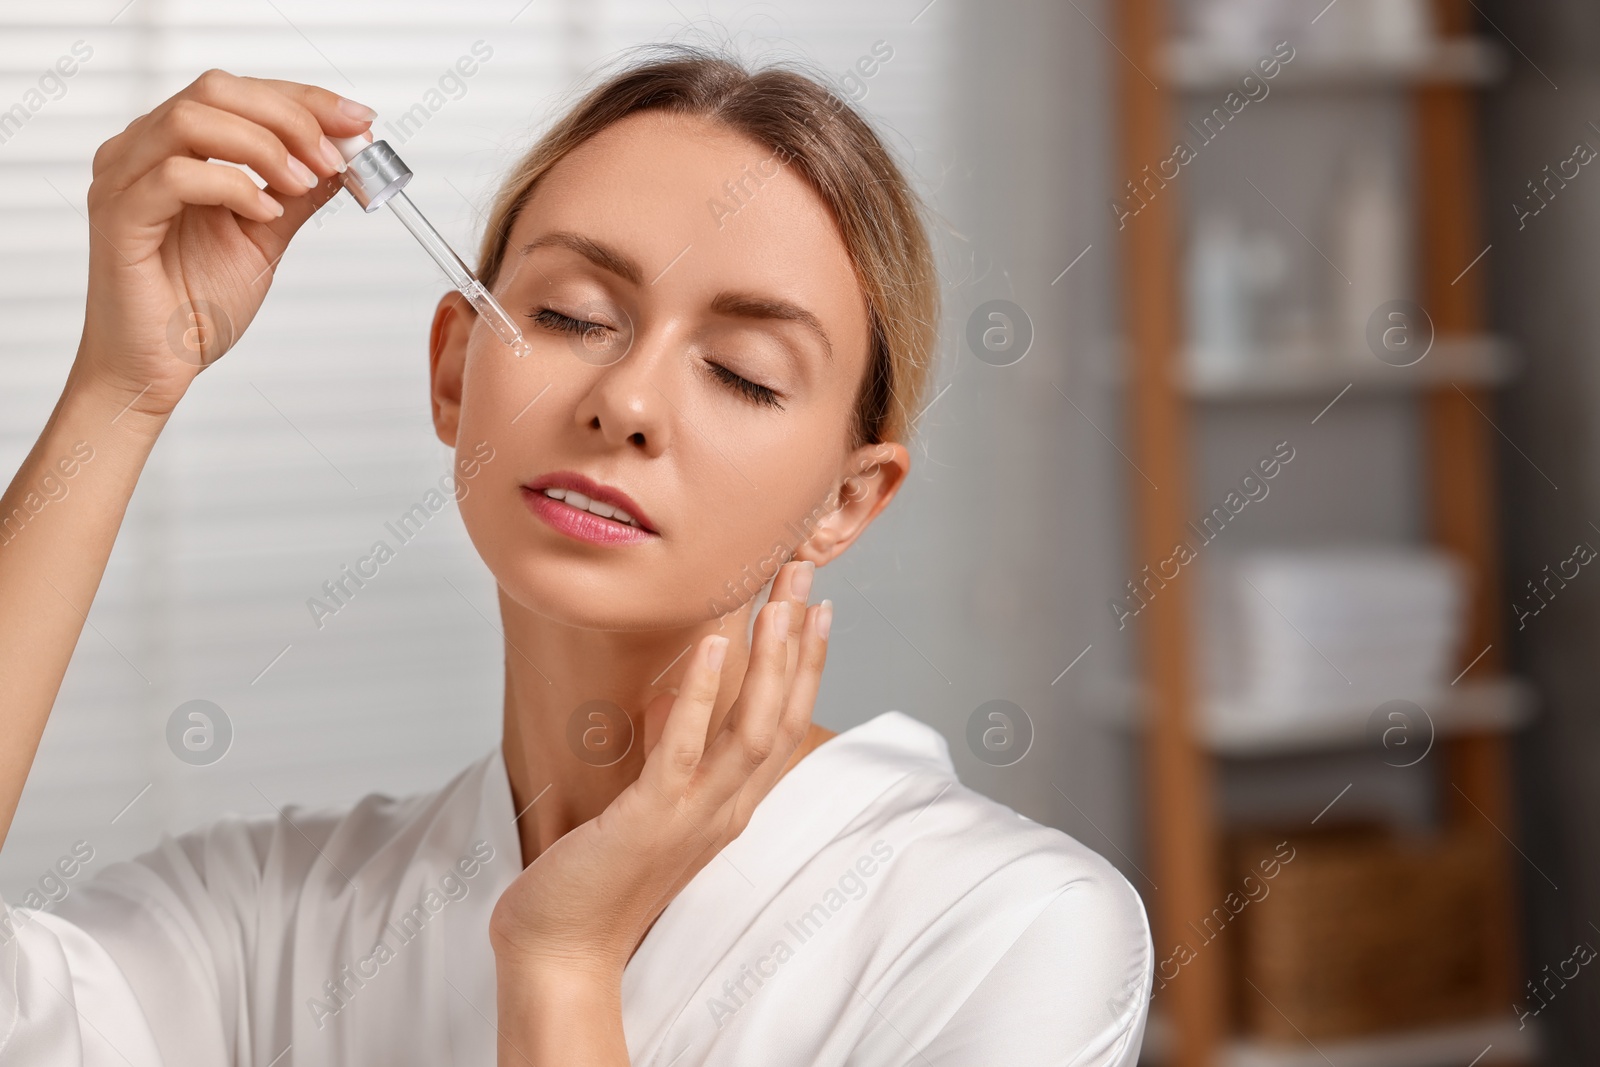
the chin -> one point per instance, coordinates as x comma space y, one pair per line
589, 593
571, 574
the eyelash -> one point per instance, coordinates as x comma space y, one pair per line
551, 319
756, 394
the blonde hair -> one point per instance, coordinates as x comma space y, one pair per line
814, 131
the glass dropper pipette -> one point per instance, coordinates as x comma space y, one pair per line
375, 177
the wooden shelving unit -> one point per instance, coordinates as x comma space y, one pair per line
1182, 753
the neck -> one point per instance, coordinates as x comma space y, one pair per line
565, 764
564, 773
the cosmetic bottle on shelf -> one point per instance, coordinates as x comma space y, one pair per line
1218, 308
1400, 29
1233, 278
1232, 27
1371, 249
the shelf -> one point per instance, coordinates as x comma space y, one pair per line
1226, 729
1305, 373
1193, 66
1448, 1046
1444, 1046
1499, 706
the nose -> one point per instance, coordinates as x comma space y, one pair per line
626, 404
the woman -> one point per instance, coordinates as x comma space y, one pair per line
729, 303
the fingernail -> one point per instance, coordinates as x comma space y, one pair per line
331, 154
302, 173
802, 580
780, 617
359, 112
716, 653
825, 619
270, 204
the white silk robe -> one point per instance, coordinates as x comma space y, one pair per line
874, 912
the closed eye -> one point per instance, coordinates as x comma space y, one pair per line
556, 320
757, 394
551, 319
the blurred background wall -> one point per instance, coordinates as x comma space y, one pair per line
985, 581
1544, 272
991, 577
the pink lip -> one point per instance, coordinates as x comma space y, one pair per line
584, 525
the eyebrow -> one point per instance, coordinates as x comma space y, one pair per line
740, 305
748, 306
602, 256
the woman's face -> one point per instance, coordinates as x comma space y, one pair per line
697, 340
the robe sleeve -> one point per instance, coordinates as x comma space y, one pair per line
147, 964
63, 1000
1072, 991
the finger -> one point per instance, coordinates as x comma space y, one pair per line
178, 180
190, 128
800, 698
297, 211
729, 820
794, 585
338, 115
683, 738
302, 116
111, 150
751, 737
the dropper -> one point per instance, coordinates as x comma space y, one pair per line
375, 177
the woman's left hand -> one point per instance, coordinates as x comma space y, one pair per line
564, 930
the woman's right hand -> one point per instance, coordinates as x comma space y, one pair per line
182, 251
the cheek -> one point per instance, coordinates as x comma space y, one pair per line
505, 412
740, 493
751, 533
503, 395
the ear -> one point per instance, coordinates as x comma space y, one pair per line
447, 356
870, 478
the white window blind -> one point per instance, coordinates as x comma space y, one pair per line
288, 457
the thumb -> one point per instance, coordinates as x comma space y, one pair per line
272, 238
296, 210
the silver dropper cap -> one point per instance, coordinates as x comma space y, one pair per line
374, 173
375, 176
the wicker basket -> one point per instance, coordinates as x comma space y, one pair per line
1363, 931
